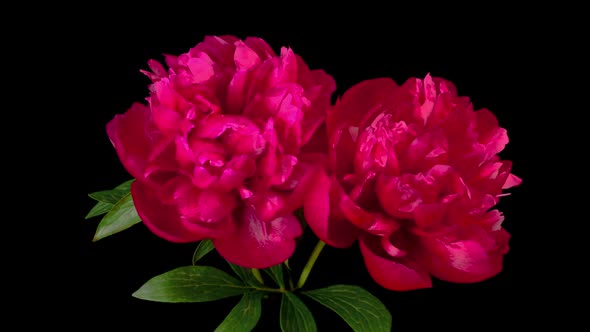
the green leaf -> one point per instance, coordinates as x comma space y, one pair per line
244, 274
119, 218
114, 195
295, 316
191, 284
125, 186
204, 247
99, 209
245, 315
276, 273
362, 311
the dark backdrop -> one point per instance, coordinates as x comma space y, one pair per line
489, 66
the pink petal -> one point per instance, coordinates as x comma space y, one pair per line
245, 57
236, 93
427, 89
329, 227
512, 181
261, 48
258, 244
201, 68
300, 182
236, 171
342, 147
318, 142
429, 215
358, 100
162, 219
286, 72
394, 273
375, 223
490, 134
398, 197
201, 207
128, 135
474, 257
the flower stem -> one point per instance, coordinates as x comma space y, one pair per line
272, 290
291, 286
257, 275
310, 262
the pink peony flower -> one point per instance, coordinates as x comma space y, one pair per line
217, 152
413, 172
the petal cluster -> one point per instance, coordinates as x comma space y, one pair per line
223, 148
413, 174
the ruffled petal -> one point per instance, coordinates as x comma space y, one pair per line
259, 244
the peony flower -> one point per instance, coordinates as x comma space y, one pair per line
217, 150
413, 173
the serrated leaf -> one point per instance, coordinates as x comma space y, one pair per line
244, 274
245, 315
362, 311
121, 216
295, 316
191, 284
114, 195
276, 273
204, 247
99, 209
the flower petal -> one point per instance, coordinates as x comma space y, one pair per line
259, 244
358, 100
162, 219
394, 273
127, 133
321, 215
474, 257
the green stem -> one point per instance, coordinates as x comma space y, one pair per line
257, 275
291, 285
310, 262
273, 290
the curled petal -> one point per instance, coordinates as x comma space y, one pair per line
236, 171
261, 48
474, 257
163, 219
512, 181
394, 273
245, 57
322, 215
128, 135
359, 99
259, 244
491, 135
375, 223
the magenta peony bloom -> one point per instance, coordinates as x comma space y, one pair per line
217, 152
413, 172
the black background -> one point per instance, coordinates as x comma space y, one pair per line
488, 60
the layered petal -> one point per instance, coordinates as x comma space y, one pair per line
415, 169
217, 152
